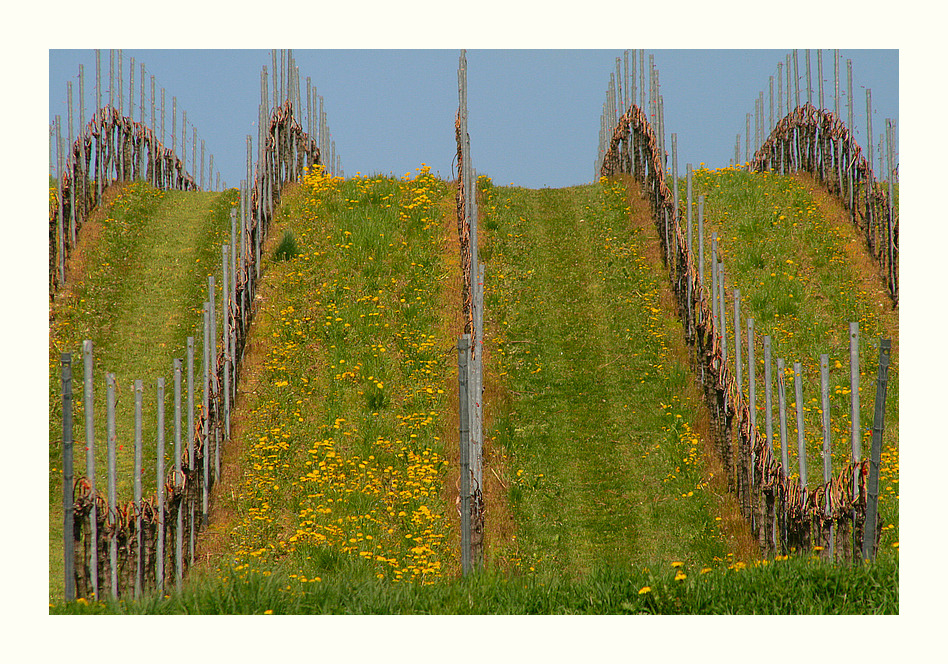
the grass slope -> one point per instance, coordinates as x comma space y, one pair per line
338, 482
609, 469
339, 452
804, 275
139, 279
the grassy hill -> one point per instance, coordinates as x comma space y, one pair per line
603, 492
137, 283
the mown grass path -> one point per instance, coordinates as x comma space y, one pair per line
604, 458
139, 280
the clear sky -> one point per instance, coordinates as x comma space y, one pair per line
533, 114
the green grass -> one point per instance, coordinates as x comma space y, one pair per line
138, 300
796, 586
606, 466
341, 471
802, 284
340, 441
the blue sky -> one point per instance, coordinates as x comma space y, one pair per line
533, 114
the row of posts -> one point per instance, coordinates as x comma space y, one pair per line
470, 348
287, 87
116, 100
139, 529
705, 314
788, 78
803, 136
123, 150
627, 87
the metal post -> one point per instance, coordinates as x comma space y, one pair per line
674, 138
737, 341
60, 216
869, 128
232, 307
700, 244
131, 88
851, 105
722, 313
787, 70
779, 89
854, 398
878, 425
801, 444
747, 138
688, 199
113, 515
87, 379
464, 344
98, 79
111, 78
714, 282
796, 80
752, 392
827, 445
782, 405
160, 481
163, 117
70, 171
121, 84
212, 369
69, 551
179, 526
184, 141
809, 80
819, 74
137, 484
205, 433
478, 377
190, 433
228, 351
276, 78
141, 102
836, 82
768, 398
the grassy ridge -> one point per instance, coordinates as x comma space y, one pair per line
338, 480
339, 456
607, 466
804, 274
140, 277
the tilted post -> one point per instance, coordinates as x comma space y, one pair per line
464, 442
878, 426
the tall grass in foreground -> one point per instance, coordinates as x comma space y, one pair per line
798, 585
